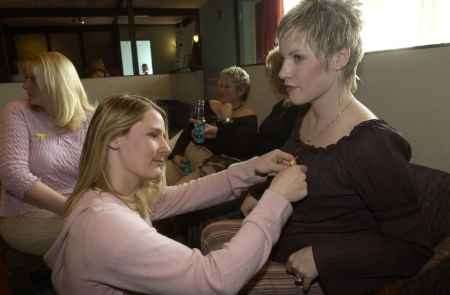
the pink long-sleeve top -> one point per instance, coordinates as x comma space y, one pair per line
106, 248
33, 148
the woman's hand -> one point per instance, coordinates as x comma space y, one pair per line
178, 160
248, 204
302, 265
44, 197
291, 183
273, 162
210, 131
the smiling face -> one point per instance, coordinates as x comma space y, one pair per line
227, 90
143, 150
306, 76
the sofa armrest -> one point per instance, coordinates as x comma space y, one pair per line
271, 279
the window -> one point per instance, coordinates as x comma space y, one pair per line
127, 58
288, 4
144, 53
390, 24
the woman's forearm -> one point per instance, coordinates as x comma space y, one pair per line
45, 197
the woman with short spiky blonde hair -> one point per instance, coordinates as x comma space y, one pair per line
40, 144
360, 228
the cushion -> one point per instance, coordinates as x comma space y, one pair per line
433, 188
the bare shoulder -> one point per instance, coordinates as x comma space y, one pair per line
357, 114
361, 113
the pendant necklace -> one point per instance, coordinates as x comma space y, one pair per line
329, 124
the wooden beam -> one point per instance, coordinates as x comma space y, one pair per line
132, 34
48, 41
70, 29
6, 76
84, 65
75, 12
118, 7
237, 32
116, 41
59, 29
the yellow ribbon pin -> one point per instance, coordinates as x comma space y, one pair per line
41, 135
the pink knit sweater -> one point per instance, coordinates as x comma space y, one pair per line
32, 148
106, 248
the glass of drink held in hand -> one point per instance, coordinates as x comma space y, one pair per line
199, 121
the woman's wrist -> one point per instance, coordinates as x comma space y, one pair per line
227, 120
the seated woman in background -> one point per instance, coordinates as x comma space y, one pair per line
277, 127
230, 129
97, 69
108, 244
40, 145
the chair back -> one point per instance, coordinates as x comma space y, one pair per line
433, 187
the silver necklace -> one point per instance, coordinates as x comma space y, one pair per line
329, 124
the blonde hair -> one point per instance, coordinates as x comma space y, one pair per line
274, 62
239, 77
114, 117
56, 76
329, 26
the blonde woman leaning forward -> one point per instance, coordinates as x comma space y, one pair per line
108, 244
40, 145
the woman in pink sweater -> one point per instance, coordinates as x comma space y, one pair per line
40, 145
108, 244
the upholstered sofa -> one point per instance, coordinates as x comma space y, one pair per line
433, 187
178, 114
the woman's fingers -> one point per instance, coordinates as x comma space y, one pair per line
301, 264
307, 283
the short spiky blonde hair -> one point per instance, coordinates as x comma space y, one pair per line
329, 26
239, 77
114, 117
56, 76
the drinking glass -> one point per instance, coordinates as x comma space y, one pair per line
198, 115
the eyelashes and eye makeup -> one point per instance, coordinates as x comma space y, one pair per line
298, 57
157, 134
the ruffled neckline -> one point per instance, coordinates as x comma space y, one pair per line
356, 130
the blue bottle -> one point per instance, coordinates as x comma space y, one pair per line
198, 133
186, 167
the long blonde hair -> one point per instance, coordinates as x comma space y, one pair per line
56, 76
114, 117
